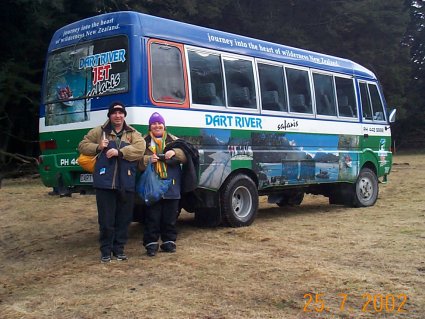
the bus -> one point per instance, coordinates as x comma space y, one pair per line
267, 119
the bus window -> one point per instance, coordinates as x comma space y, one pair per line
272, 84
90, 69
206, 78
377, 107
240, 83
167, 74
299, 91
366, 104
325, 96
346, 97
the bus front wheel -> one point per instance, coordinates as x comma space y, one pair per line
239, 201
366, 188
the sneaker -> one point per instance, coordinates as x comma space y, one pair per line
151, 249
105, 259
121, 257
169, 247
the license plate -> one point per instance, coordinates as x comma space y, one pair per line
86, 178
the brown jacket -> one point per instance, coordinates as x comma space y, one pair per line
132, 152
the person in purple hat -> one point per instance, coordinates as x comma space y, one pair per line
161, 217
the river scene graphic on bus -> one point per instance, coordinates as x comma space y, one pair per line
278, 159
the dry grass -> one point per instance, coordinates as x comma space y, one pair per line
50, 265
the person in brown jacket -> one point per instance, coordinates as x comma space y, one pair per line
119, 147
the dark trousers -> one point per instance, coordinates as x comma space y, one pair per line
160, 221
115, 213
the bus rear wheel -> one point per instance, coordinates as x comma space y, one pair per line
239, 201
366, 188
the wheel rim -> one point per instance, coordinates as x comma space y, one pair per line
365, 188
241, 202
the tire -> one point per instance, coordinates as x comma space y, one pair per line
239, 201
366, 189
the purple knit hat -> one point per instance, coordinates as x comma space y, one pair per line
156, 117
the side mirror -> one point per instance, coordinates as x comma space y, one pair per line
392, 115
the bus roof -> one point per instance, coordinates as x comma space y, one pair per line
139, 24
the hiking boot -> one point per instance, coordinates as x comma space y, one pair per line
120, 257
105, 259
169, 247
151, 249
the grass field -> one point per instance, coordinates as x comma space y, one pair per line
312, 261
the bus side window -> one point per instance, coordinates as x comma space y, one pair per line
366, 103
206, 78
272, 85
168, 84
377, 106
346, 97
325, 97
240, 83
299, 91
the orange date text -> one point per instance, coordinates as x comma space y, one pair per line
369, 302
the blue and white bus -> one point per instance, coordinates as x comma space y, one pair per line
267, 119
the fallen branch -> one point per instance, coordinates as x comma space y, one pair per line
20, 157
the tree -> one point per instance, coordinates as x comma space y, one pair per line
415, 37
366, 31
26, 30
411, 129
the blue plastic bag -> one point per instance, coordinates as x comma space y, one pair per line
150, 187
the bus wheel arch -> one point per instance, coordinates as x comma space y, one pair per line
370, 165
239, 199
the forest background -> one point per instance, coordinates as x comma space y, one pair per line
386, 36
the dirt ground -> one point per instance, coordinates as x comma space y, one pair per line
313, 261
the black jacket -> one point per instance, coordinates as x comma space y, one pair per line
190, 168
